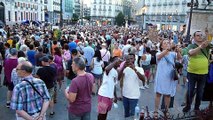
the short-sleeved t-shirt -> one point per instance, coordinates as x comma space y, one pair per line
82, 85
47, 74
198, 64
108, 84
130, 83
97, 66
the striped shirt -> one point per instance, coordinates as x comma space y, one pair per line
25, 98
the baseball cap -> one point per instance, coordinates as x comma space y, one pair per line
44, 59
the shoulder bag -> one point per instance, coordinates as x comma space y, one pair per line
175, 75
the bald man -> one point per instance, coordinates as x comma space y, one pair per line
30, 97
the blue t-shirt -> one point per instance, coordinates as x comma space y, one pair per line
88, 54
72, 45
31, 56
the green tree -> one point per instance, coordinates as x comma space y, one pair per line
75, 17
87, 18
119, 19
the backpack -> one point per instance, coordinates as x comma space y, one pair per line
153, 58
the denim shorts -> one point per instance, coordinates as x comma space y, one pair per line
96, 76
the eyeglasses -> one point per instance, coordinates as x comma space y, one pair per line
18, 69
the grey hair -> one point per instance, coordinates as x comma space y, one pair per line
80, 62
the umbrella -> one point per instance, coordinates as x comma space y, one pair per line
25, 22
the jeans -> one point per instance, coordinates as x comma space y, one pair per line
85, 116
129, 106
199, 80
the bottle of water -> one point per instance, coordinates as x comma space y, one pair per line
137, 113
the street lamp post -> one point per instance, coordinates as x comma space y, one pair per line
61, 15
189, 24
126, 21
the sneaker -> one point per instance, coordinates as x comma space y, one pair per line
197, 109
147, 86
186, 109
142, 87
115, 105
52, 114
8, 105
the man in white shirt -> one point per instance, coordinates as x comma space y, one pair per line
131, 92
125, 50
105, 54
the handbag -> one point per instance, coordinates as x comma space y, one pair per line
175, 75
210, 74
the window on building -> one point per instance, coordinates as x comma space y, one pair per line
110, 1
26, 16
9, 16
31, 16
21, 15
16, 16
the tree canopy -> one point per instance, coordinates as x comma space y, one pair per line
119, 19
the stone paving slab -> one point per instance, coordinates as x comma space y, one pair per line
146, 99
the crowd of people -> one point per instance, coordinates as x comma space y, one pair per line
96, 61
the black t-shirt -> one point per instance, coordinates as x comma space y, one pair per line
47, 74
153, 59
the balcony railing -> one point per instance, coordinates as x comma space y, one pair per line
184, 2
159, 4
177, 3
171, 3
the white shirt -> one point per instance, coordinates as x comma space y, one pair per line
105, 54
149, 43
108, 84
148, 59
141, 50
125, 49
97, 67
131, 88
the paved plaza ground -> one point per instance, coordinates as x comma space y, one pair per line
146, 99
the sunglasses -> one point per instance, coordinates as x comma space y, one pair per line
199, 35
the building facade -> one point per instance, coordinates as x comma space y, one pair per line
53, 11
77, 7
86, 10
67, 9
105, 11
166, 14
16, 11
